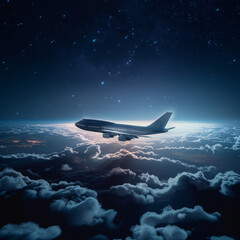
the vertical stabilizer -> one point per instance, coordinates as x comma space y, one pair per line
162, 121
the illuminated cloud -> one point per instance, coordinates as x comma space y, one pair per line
236, 145
120, 171
227, 183
207, 147
169, 232
160, 226
66, 167
77, 205
29, 231
171, 216
86, 212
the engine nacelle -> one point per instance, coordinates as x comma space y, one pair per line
123, 138
108, 135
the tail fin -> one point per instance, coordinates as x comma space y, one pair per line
162, 121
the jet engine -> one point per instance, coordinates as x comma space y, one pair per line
108, 135
124, 138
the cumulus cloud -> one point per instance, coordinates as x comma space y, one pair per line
140, 192
226, 183
143, 148
120, 171
170, 216
66, 167
144, 194
145, 232
77, 205
29, 231
87, 212
169, 232
214, 147
160, 226
150, 179
174, 165
12, 180
34, 174
236, 145
118, 155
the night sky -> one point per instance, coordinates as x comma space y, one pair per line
119, 60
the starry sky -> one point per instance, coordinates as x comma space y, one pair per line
119, 60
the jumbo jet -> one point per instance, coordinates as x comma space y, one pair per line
123, 131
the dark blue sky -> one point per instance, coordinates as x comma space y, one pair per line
119, 60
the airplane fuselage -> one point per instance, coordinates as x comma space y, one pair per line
110, 129
123, 131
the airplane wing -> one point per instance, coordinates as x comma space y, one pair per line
123, 136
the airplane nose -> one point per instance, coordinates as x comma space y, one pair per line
77, 123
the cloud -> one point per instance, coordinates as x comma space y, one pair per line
144, 232
120, 171
236, 145
92, 151
70, 150
140, 192
227, 183
100, 237
66, 167
30, 155
163, 163
207, 147
1, 146
169, 232
86, 212
159, 226
81, 152
12, 180
29, 231
224, 237
170, 216
150, 179
77, 205
144, 194
214, 147
143, 148
33, 173
118, 155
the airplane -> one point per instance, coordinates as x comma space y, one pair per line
123, 131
